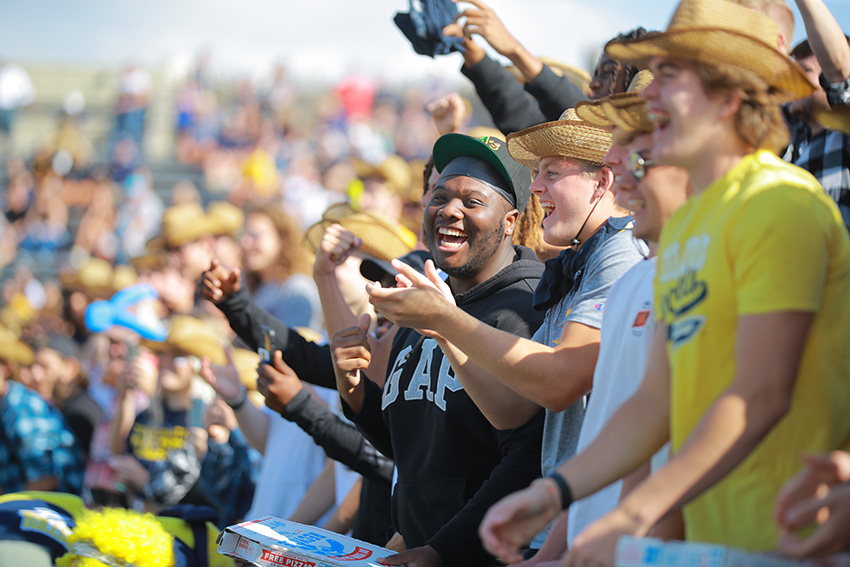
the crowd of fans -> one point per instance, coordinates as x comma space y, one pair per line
346, 320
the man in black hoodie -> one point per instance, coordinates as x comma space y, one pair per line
451, 462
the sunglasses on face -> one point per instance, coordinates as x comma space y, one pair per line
638, 166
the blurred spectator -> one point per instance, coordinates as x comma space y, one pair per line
139, 215
16, 92
384, 189
160, 456
231, 469
45, 232
188, 238
134, 92
277, 268
96, 231
37, 449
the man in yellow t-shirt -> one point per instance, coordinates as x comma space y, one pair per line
763, 239
749, 366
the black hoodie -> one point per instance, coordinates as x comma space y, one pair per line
452, 464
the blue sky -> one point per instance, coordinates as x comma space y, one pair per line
322, 39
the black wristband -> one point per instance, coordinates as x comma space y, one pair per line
564, 489
240, 399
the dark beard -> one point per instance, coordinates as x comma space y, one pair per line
489, 244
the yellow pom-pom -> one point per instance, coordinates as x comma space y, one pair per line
119, 534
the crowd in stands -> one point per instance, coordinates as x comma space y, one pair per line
621, 310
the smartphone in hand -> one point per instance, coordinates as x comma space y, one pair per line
266, 349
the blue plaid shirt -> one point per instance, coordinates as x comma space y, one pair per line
35, 442
825, 155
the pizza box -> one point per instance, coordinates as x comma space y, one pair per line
653, 552
274, 542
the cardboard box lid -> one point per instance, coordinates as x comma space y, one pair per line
653, 552
276, 542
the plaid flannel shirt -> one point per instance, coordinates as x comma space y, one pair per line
35, 442
825, 155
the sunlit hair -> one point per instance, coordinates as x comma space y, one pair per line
758, 122
527, 232
293, 257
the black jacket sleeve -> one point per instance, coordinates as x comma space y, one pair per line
340, 440
370, 420
458, 542
554, 94
310, 361
510, 106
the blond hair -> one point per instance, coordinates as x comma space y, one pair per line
758, 121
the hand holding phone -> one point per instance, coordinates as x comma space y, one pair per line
265, 351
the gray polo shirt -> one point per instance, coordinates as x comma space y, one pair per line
584, 304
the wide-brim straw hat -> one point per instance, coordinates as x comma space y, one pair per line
394, 170
381, 239
185, 223
12, 349
569, 137
836, 118
719, 32
578, 77
153, 257
97, 278
624, 110
225, 219
194, 337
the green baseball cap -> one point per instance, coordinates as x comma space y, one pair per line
491, 150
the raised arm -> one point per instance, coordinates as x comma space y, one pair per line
553, 94
224, 288
329, 271
826, 39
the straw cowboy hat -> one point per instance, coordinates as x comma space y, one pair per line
578, 77
394, 170
624, 110
225, 219
380, 238
569, 137
192, 336
719, 32
12, 349
835, 118
185, 223
97, 278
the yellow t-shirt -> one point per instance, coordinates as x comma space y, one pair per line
764, 238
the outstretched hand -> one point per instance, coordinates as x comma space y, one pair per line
416, 301
218, 283
514, 521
